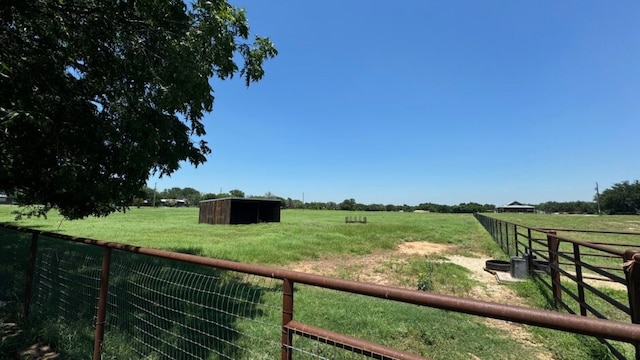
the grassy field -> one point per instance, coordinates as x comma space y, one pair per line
622, 223
301, 235
590, 222
315, 235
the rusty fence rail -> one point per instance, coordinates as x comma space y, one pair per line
126, 277
583, 277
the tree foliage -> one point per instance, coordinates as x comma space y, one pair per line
96, 95
348, 204
236, 193
621, 198
572, 207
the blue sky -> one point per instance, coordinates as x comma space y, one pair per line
430, 101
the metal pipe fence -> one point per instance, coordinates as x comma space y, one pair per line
135, 302
586, 278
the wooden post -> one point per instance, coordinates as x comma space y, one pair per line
632, 274
102, 304
287, 316
577, 261
30, 271
554, 265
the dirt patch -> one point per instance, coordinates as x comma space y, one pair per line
10, 330
423, 248
370, 269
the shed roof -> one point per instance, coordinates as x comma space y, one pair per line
516, 204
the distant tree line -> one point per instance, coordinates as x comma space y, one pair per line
571, 207
150, 197
471, 207
621, 198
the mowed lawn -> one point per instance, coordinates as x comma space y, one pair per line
301, 235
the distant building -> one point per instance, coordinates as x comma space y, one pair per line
5, 199
173, 202
516, 207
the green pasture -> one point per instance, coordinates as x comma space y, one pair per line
301, 235
622, 223
309, 235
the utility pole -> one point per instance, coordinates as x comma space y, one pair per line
598, 197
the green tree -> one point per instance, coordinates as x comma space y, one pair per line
209, 196
173, 193
573, 207
348, 204
621, 198
96, 95
192, 196
146, 197
237, 193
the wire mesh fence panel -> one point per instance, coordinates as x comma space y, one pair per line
65, 294
171, 310
14, 256
390, 324
311, 349
66, 281
319, 347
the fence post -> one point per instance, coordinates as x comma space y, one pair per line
28, 289
102, 304
506, 236
495, 231
554, 266
529, 251
515, 238
632, 274
287, 316
577, 261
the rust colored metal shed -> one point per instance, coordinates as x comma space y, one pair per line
239, 211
